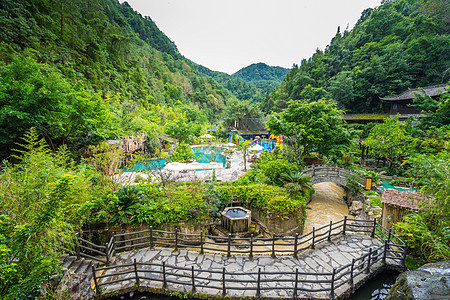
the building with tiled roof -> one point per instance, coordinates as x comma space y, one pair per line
397, 204
400, 104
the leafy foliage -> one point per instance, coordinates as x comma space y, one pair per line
317, 127
84, 71
400, 44
43, 201
183, 153
389, 140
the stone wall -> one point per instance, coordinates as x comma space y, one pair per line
279, 225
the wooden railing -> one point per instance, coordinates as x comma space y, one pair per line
393, 248
87, 249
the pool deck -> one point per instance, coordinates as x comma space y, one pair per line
187, 173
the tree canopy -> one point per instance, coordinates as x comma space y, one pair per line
316, 127
399, 45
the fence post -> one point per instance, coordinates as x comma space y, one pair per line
374, 227
273, 245
295, 245
329, 232
313, 237
201, 242
258, 286
345, 225
368, 261
404, 255
77, 247
296, 283
388, 240
251, 246
224, 291
193, 279
136, 272
229, 245
151, 238
332, 284
351, 275
164, 274
113, 244
97, 290
106, 254
385, 251
176, 239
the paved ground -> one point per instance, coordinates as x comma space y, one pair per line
328, 255
222, 174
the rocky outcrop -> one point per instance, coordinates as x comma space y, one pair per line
432, 281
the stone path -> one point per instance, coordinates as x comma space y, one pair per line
328, 255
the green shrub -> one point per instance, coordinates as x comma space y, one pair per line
433, 245
183, 153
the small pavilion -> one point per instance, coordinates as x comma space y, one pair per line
397, 204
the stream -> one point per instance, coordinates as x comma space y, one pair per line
327, 204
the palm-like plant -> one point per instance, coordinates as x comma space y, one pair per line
300, 178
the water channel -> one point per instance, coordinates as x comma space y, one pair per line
327, 204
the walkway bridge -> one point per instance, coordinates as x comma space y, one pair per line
328, 263
328, 173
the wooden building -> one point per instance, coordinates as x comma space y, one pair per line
401, 104
397, 204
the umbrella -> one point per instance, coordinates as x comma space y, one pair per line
256, 147
213, 129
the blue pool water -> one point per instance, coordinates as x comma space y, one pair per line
151, 164
209, 154
202, 155
388, 185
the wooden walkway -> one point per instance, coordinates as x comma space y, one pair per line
330, 266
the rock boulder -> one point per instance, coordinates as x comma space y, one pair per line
432, 281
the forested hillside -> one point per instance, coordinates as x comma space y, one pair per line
240, 88
79, 71
251, 82
399, 45
264, 77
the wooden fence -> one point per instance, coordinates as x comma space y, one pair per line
393, 248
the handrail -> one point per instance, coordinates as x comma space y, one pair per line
395, 247
316, 236
337, 278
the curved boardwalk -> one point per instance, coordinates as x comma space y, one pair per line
237, 276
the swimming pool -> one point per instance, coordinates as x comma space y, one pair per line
203, 154
206, 154
152, 164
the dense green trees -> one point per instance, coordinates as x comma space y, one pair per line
87, 70
312, 127
44, 200
401, 44
36, 95
389, 140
